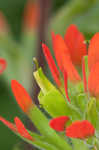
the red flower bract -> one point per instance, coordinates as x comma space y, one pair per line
51, 64
74, 40
63, 58
93, 80
80, 129
21, 95
59, 123
21, 129
60, 49
8, 124
93, 51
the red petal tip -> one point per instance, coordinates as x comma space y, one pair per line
74, 40
3, 65
8, 124
21, 129
59, 123
60, 49
51, 64
53, 35
21, 95
80, 129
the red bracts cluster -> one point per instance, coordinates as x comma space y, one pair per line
68, 53
66, 59
78, 129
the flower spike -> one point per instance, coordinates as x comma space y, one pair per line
31, 15
59, 123
3, 65
84, 75
80, 129
74, 40
93, 80
51, 64
21, 95
66, 86
8, 124
93, 51
3, 23
22, 130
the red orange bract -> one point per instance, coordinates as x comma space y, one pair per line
80, 129
59, 123
21, 129
93, 80
93, 51
8, 124
21, 95
75, 42
51, 64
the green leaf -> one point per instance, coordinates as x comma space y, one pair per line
52, 100
86, 67
82, 101
39, 144
56, 105
92, 113
77, 96
96, 143
42, 81
42, 124
38, 141
80, 145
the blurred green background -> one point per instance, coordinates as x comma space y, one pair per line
84, 13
